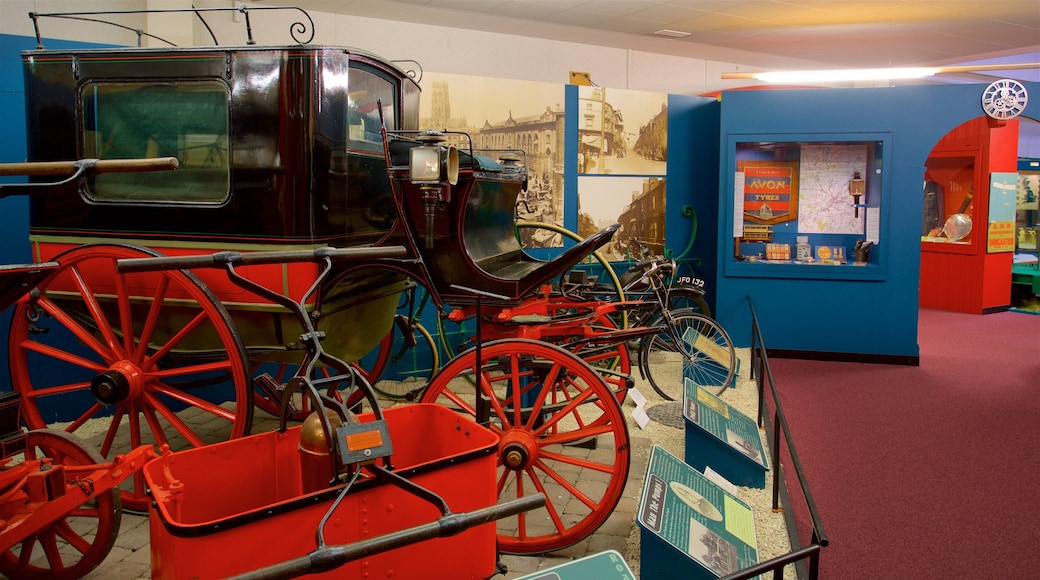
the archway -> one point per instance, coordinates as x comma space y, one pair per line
968, 227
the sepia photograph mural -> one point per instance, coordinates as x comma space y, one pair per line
622, 150
622, 132
622, 158
636, 203
508, 114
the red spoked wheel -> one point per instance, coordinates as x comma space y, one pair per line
562, 435
608, 354
74, 545
128, 359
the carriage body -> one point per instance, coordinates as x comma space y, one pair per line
279, 148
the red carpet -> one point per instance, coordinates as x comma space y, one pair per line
930, 471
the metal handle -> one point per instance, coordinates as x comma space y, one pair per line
220, 259
331, 557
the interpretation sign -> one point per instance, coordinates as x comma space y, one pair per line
719, 436
607, 565
691, 527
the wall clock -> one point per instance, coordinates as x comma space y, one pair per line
1004, 99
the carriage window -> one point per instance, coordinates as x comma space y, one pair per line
366, 91
187, 120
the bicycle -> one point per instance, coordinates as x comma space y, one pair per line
688, 334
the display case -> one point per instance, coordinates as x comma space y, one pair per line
807, 207
951, 179
1027, 207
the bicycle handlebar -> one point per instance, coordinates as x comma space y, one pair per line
330, 557
220, 259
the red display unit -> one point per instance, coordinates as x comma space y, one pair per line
960, 274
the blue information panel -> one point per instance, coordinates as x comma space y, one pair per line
723, 438
691, 527
608, 565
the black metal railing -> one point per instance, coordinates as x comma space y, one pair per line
777, 428
300, 31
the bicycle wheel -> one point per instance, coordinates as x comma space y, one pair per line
612, 287
692, 346
680, 297
413, 357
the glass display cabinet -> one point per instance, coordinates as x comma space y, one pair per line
807, 208
951, 179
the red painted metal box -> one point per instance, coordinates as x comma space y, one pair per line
237, 506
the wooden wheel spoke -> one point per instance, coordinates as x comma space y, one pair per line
549, 505
125, 318
517, 392
182, 334
522, 519
578, 462
89, 414
64, 356
154, 404
569, 409
571, 488
550, 379
151, 319
113, 430
25, 554
188, 370
565, 437
502, 481
63, 530
485, 384
49, 543
94, 308
135, 425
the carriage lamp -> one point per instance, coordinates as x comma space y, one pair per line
433, 163
434, 168
856, 188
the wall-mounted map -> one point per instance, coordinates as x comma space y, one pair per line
823, 197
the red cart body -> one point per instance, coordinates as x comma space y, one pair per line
237, 506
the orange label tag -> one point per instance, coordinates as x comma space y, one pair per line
364, 440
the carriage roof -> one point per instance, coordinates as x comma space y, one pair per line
255, 128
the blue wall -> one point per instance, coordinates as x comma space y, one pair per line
870, 311
14, 210
692, 183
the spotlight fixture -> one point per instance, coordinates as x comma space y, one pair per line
866, 74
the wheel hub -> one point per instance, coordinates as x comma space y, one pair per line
121, 382
518, 450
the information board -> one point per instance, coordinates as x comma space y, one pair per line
720, 436
607, 565
683, 513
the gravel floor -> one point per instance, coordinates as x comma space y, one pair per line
772, 536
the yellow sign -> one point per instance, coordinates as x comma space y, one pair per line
1001, 237
583, 79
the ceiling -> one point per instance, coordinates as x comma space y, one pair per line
757, 34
